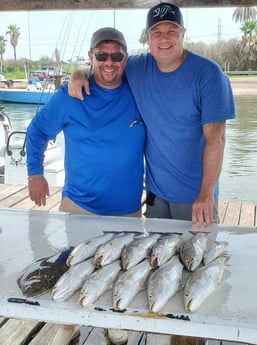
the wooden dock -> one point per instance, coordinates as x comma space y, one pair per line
24, 332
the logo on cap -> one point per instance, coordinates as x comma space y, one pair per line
162, 11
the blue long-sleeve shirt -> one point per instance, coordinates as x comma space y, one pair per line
103, 151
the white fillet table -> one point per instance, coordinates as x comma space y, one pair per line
229, 314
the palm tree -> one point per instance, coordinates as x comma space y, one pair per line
244, 13
2, 50
14, 36
249, 40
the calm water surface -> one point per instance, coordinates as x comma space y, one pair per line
238, 180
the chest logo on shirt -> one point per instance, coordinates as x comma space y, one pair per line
135, 122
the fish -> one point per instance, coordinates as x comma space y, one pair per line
41, 275
192, 251
129, 283
98, 283
87, 249
202, 283
163, 283
72, 280
111, 250
215, 250
137, 250
164, 249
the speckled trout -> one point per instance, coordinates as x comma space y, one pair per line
87, 249
202, 283
215, 250
72, 280
111, 250
129, 283
137, 250
164, 249
98, 283
163, 283
192, 251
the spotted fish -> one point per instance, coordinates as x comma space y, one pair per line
164, 249
87, 249
40, 276
163, 283
137, 250
72, 280
202, 283
192, 251
129, 283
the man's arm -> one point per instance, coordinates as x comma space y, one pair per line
36, 145
38, 189
77, 83
202, 211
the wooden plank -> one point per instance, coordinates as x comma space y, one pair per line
136, 338
222, 209
182, 340
46, 333
98, 336
247, 216
16, 332
13, 199
160, 339
232, 215
8, 190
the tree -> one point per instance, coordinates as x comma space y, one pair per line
2, 50
244, 13
143, 38
14, 33
249, 40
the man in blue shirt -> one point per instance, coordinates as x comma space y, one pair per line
104, 138
185, 100
104, 145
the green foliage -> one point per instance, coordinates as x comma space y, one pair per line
143, 38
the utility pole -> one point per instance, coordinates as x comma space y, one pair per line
114, 19
219, 31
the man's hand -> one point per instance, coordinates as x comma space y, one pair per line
202, 211
38, 189
77, 83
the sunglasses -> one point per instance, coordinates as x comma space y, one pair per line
116, 57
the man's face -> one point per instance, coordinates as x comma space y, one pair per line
166, 43
108, 73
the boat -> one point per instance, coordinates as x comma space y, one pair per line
13, 162
25, 96
30, 91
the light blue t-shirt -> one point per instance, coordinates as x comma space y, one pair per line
174, 107
104, 147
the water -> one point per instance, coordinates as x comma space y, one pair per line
238, 179
239, 173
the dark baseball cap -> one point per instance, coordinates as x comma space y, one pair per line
164, 12
108, 34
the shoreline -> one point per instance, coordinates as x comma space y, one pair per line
243, 85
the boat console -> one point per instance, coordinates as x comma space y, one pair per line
13, 162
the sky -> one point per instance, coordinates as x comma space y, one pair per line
70, 31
